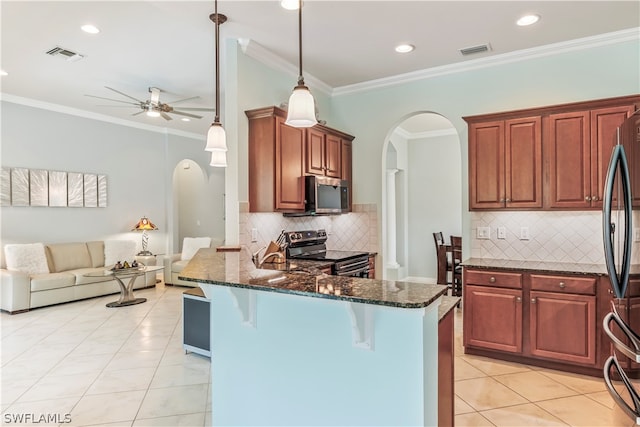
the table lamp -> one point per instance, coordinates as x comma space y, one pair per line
144, 224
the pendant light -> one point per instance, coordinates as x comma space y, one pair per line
216, 137
302, 107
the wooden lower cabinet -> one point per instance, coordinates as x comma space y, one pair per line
552, 320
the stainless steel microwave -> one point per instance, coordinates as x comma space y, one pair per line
326, 195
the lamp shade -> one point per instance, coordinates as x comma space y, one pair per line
144, 224
216, 138
302, 108
219, 159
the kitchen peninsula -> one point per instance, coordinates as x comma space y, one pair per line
298, 348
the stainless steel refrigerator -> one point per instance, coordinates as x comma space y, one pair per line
621, 236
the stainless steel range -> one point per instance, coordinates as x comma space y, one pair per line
311, 245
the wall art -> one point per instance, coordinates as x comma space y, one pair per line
102, 191
5, 186
38, 187
57, 188
90, 190
20, 187
75, 190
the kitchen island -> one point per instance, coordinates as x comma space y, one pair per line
294, 348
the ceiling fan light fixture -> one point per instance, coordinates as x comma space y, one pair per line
151, 112
218, 159
216, 138
301, 110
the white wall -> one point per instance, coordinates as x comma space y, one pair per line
138, 163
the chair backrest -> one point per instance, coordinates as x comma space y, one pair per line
456, 248
438, 238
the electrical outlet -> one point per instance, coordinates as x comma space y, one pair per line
636, 234
502, 233
483, 233
254, 234
524, 233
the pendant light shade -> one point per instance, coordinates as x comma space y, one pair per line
216, 138
302, 107
218, 159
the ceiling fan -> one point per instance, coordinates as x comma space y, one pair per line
153, 107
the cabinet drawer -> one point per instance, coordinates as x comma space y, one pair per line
493, 278
573, 285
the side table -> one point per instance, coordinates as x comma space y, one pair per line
126, 291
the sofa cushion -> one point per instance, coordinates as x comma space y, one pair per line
68, 256
28, 258
82, 278
118, 250
96, 250
190, 246
43, 282
178, 266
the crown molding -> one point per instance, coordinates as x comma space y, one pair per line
492, 61
270, 59
95, 116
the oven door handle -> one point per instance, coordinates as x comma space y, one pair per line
352, 272
356, 264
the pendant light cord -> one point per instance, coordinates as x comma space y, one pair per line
217, 116
300, 78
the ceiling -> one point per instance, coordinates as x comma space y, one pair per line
170, 44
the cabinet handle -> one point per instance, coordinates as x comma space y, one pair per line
492, 279
508, 200
518, 299
595, 198
562, 285
533, 300
502, 200
587, 198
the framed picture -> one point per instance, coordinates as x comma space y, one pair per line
20, 187
39, 187
57, 188
102, 191
75, 190
5, 186
90, 190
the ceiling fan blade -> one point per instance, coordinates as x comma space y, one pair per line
139, 112
124, 94
116, 100
185, 99
182, 113
155, 95
165, 115
197, 109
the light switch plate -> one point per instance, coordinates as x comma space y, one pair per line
502, 233
483, 233
524, 233
254, 234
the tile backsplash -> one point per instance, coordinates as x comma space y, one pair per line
355, 231
553, 236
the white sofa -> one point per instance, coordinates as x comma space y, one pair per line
175, 263
38, 275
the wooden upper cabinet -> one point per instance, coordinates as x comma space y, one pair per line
505, 164
553, 157
346, 148
324, 154
289, 179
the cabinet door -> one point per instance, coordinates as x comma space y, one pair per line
289, 179
493, 318
568, 158
604, 123
523, 163
315, 164
486, 165
333, 156
345, 160
563, 327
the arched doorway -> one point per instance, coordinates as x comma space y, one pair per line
198, 203
422, 194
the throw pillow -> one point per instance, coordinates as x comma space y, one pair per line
118, 250
190, 246
28, 258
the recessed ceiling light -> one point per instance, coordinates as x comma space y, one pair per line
290, 4
528, 20
404, 48
3, 73
185, 119
91, 29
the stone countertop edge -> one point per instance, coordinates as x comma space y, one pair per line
540, 266
210, 267
447, 304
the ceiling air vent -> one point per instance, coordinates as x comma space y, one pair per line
69, 55
475, 49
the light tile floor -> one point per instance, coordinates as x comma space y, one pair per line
126, 367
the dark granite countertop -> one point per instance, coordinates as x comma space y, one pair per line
236, 269
544, 266
446, 305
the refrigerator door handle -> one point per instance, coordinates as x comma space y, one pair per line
632, 412
619, 280
634, 339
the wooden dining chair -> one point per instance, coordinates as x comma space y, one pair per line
456, 261
443, 257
